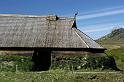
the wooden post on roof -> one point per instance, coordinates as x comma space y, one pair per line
75, 15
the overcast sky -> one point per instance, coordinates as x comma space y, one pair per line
96, 18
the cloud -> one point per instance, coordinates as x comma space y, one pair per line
103, 27
101, 13
97, 30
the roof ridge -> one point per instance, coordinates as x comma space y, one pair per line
89, 37
17, 15
21, 15
80, 37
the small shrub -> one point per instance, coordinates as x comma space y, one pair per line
13, 63
78, 63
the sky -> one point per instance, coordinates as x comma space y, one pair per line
96, 18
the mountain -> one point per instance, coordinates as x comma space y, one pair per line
116, 36
113, 40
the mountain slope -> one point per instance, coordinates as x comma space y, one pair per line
114, 42
116, 36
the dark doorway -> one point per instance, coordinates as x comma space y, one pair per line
42, 60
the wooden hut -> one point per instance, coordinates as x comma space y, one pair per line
45, 35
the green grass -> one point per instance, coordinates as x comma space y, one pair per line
116, 49
14, 62
59, 76
68, 76
7, 81
118, 54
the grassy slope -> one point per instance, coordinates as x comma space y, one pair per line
59, 76
114, 42
118, 55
